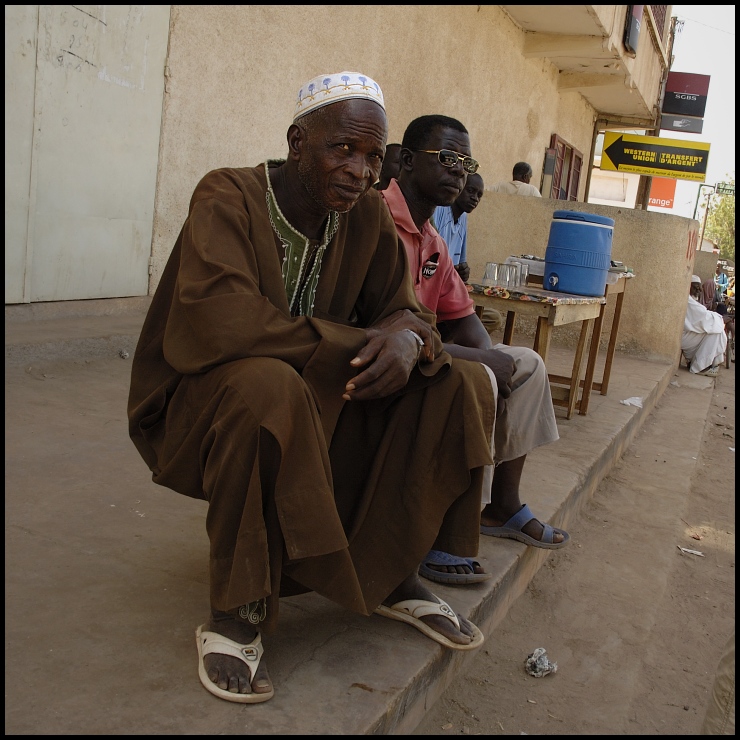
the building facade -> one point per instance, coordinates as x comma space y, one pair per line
114, 113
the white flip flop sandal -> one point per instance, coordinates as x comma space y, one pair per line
250, 654
411, 611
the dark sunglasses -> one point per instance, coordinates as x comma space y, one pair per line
448, 158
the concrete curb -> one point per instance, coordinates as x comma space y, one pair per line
406, 712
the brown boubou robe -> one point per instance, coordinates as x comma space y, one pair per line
235, 401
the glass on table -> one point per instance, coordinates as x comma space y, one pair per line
490, 276
514, 274
506, 276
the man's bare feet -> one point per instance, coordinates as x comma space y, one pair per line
443, 567
227, 672
505, 502
412, 588
465, 570
490, 517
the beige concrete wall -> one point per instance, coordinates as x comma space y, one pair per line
705, 265
659, 247
233, 72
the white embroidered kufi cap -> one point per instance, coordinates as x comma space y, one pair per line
696, 279
331, 88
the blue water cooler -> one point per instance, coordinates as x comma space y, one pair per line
578, 253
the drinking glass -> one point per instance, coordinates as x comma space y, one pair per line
514, 274
505, 276
523, 274
490, 276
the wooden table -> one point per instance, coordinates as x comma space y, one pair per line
588, 384
551, 309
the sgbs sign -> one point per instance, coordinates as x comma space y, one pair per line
686, 94
656, 157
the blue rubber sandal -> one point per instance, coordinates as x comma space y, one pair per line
513, 530
437, 557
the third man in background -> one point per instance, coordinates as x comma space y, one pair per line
391, 166
452, 223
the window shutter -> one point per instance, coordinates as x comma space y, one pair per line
575, 177
566, 176
559, 146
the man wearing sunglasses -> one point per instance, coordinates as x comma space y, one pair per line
435, 163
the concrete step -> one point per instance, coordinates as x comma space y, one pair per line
124, 562
632, 622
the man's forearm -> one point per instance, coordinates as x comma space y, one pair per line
467, 332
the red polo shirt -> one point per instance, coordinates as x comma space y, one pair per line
437, 284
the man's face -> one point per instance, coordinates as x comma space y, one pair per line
433, 182
468, 200
341, 153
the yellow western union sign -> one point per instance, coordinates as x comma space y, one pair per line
653, 156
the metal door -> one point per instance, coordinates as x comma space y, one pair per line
83, 108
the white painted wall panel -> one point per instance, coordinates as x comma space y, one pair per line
98, 108
21, 22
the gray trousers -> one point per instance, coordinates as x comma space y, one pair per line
526, 419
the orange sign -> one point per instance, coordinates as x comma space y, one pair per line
662, 192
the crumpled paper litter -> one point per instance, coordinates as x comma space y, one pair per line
538, 665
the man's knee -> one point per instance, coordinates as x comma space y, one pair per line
527, 364
251, 392
268, 387
251, 373
532, 361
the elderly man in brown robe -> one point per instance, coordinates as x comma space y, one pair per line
287, 375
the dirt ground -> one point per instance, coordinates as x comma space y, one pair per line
636, 626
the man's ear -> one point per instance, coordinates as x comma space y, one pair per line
296, 139
407, 159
